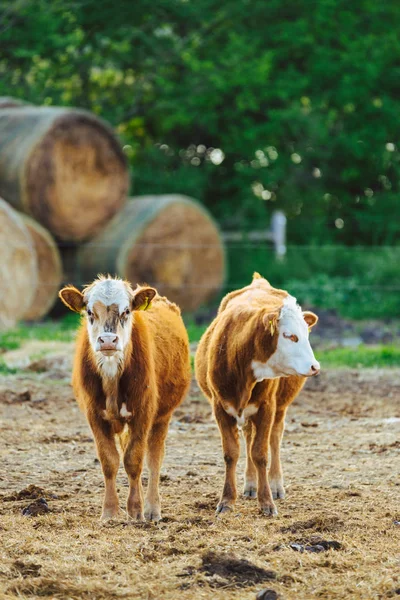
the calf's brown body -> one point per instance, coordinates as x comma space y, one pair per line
245, 330
135, 406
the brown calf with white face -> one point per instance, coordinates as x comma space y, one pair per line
131, 370
251, 363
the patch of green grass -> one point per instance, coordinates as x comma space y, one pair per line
361, 356
195, 331
5, 370
61, 331
357, 282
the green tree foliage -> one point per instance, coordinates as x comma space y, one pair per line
247, 105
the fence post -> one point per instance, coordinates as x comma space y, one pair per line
278, 229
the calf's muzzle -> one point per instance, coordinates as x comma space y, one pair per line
314, 369
107, 342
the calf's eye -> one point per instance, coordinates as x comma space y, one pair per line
292, 338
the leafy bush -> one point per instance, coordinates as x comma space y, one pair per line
357, 282
248, 106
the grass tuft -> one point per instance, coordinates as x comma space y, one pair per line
361, 356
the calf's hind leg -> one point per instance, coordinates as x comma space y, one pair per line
109, 459
275, 470
230, 445
154, 458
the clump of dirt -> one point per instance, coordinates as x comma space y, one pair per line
227, 569
315, 545
27, 569
32, 492
39, 507
57, 367
320, 523
65, 439
267, 595
11, 397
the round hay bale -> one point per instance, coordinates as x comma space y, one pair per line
9, 102
168, 241
49, 270
18, 267
64, 167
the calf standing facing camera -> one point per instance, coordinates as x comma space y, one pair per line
131, 370
251, 363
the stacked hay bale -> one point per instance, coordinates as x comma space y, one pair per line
167, 241
18, 267
63, 167
50, 270
65, 170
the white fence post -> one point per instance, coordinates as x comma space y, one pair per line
276, 234
278, 230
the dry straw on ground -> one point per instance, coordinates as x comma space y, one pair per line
62, 166
18, 267
168, 241
340, 455
49, 270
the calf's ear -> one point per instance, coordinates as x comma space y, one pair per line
72, 298
270, 321
142, 298
310, 318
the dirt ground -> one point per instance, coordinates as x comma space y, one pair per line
337, 534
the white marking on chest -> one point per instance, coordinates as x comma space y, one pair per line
109, 367
263, 371
124, 412
250, 410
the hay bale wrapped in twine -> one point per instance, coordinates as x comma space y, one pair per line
64, 167
168, 241
18, 267
49, 270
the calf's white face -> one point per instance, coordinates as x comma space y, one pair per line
109, 304
109, 316
293, 354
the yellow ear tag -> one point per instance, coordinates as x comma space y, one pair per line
309, 329
272, 327
145, 305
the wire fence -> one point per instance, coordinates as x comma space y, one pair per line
356, 281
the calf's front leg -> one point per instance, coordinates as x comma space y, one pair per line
230, 445
109, 460
259, 453
155, 455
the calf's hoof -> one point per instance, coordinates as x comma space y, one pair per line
152, 513
277, 489
223, 507
136, 515
269, 509
135, 512
109, 512
250, 490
